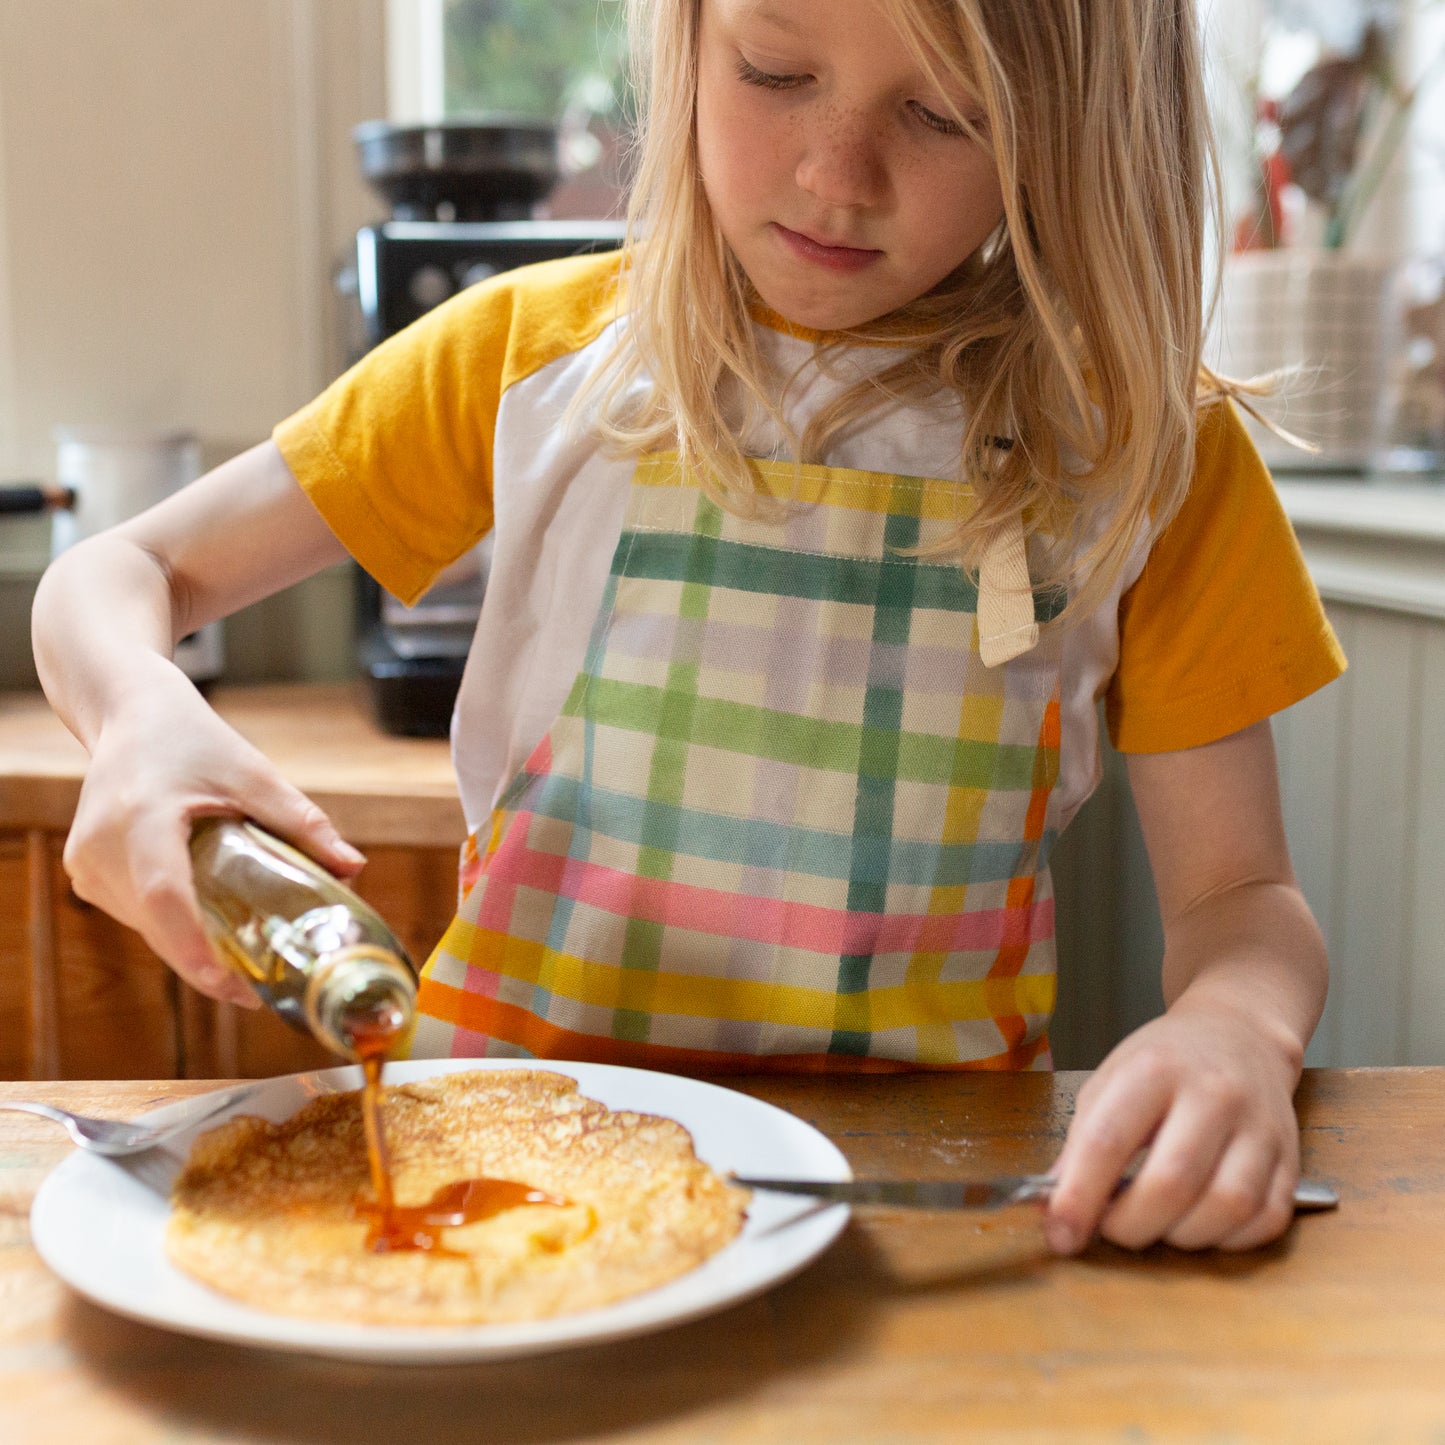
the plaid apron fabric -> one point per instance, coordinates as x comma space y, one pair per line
787, 818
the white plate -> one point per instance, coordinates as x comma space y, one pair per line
101, 1228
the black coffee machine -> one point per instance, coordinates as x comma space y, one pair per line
462, 196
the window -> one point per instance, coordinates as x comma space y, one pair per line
561, 60
531, 57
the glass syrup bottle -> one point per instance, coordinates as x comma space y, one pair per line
308, 946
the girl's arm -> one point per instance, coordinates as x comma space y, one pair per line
1207, 1088
107, 616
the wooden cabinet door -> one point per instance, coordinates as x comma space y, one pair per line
124, 1015
116, 1003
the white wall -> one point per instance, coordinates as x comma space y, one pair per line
1363, 790
177, 184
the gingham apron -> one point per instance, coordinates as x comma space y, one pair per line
789, 816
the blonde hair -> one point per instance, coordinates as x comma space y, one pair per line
1075, 331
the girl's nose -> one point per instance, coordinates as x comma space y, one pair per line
842, 162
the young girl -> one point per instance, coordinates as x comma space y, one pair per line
824, 515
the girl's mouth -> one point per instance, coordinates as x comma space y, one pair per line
835, 258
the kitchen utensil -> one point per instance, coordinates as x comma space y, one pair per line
28, 498
488, 168
114, 473
114, 1137
1310, 1195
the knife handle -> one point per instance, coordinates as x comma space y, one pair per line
1311, 1196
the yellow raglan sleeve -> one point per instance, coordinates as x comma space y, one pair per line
1224, 626
397, 453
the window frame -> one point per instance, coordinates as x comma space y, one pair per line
415, 61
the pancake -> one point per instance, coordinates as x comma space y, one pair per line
266, 1212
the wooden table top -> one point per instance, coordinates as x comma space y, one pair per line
378, 789
911, 1328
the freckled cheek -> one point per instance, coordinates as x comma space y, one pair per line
715, 147
976, 204
743, 157
989, 197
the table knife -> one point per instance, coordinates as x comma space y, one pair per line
1310, 1195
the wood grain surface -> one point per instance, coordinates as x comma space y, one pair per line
912, 1328
378, 789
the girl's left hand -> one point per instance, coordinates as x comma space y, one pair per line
1210, 1094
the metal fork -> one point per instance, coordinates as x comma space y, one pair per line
115, 1137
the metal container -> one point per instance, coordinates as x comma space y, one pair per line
490, 168
114, 474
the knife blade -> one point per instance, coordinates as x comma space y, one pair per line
1310, 1195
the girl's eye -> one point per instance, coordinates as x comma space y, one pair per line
934, 121
749, 74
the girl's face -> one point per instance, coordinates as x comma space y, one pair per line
830, 161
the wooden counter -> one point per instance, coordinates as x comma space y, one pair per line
82, 997
378, 790
913, 1328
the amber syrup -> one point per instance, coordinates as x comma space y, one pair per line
391, 1226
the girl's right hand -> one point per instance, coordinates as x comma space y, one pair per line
162, 760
